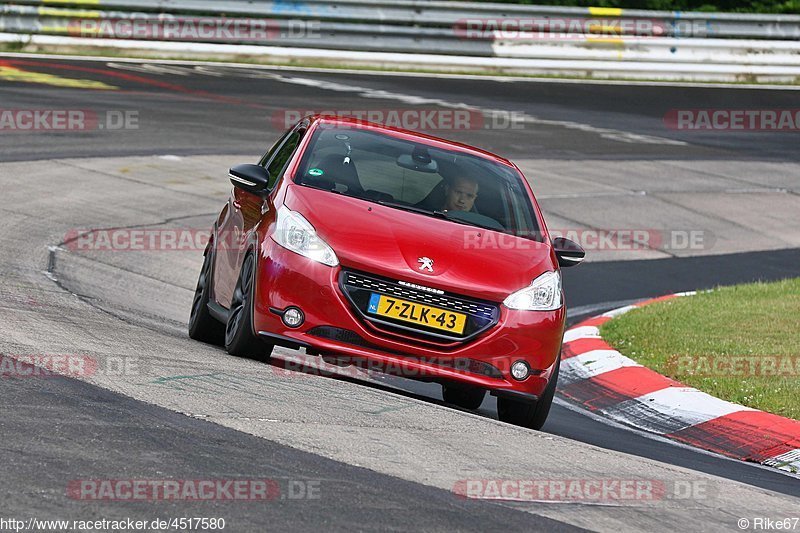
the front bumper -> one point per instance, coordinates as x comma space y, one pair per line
333, 327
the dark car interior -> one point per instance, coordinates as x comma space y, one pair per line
381, 169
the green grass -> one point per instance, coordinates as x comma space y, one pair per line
695, 339
14, 46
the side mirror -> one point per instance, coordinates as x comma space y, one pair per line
569, 253
251, 178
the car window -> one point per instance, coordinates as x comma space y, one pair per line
379, 168
274, 148
282, 156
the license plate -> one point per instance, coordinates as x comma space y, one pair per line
412, 312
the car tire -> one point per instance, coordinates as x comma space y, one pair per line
531, 415
202, 326
463, 396
239, 337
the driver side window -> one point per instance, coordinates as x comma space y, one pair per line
281, 159
274, 148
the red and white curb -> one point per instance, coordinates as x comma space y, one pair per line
602, 380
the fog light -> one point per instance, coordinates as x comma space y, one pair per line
520, 370
293, 317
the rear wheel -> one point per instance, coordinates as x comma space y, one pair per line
463, 395
239, 337
531, 415
202, 326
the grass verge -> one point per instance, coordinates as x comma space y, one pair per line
740, 343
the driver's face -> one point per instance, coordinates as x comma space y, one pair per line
460, 196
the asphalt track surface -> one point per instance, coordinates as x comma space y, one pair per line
61, 429
203, 110
109, 428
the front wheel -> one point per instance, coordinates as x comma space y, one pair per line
531, 415
239, 337
202, 326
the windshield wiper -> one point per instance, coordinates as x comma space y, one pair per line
414, 209
329, 189
435, 213
473, 224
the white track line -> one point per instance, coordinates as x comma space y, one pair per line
400, 73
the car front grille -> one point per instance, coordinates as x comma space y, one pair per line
444, 301
344, 335
358, 287
460, 364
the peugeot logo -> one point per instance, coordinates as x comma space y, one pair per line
426, 263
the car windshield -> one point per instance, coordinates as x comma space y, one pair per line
417, 177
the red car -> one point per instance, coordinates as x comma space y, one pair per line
396, 251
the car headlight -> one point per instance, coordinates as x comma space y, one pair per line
295, 233
544, 294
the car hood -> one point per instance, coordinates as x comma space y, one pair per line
390, 242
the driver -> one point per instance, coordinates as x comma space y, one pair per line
460, 194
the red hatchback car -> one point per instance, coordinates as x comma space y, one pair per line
394, 250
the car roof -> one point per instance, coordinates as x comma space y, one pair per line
408, 135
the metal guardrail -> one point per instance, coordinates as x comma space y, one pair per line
286, 32
426, 28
